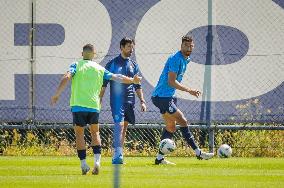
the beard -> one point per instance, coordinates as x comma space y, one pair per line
128, 54
187, 53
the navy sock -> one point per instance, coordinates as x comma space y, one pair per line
166, 134
97, 149
117, 135
187, 135
81, 154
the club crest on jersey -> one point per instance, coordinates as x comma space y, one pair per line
131, 68
116, 117
119, 70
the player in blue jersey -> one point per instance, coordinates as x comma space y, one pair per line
87, 79
164, 98
122, 97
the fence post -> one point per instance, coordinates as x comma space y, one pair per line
31, 77
208, 77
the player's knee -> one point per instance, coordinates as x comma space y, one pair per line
125, 127
183, 122
96, 134
79, 136
171, 129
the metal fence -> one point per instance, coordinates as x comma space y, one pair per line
237, 62
141, 140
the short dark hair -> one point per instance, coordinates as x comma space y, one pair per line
186, 39
88, 47
125, 41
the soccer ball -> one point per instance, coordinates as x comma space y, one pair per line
167, 146
224, 151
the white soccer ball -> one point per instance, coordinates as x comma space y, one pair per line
167, 146
224, 151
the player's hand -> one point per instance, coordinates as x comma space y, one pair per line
54, 99
137, 79
195, 93
143, 107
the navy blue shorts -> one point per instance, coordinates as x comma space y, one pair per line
165, 104
83, 118
124, 112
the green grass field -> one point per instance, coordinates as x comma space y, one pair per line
52, 172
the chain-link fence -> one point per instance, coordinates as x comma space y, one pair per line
237, 62
141, 140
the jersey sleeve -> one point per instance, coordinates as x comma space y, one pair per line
107, 75
173, 65
72, 69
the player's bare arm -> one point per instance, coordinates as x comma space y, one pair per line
63, 83
126, 80
140, 95
102, 92
174, 83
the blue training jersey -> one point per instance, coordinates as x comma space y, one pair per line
72, 70
176, 63
119, 92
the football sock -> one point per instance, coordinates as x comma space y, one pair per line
97, 153
120, 150
81, 154
117, 135
166, 134
117, 140
83, 162
187, 135
82, 157
160, 156
197, 151
117, 152
97, 158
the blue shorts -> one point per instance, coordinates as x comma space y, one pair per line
123, 113
83, 118
165, 104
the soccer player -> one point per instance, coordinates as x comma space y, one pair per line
122, 97
163, 98
87, 79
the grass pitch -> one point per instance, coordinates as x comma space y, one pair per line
52, 172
